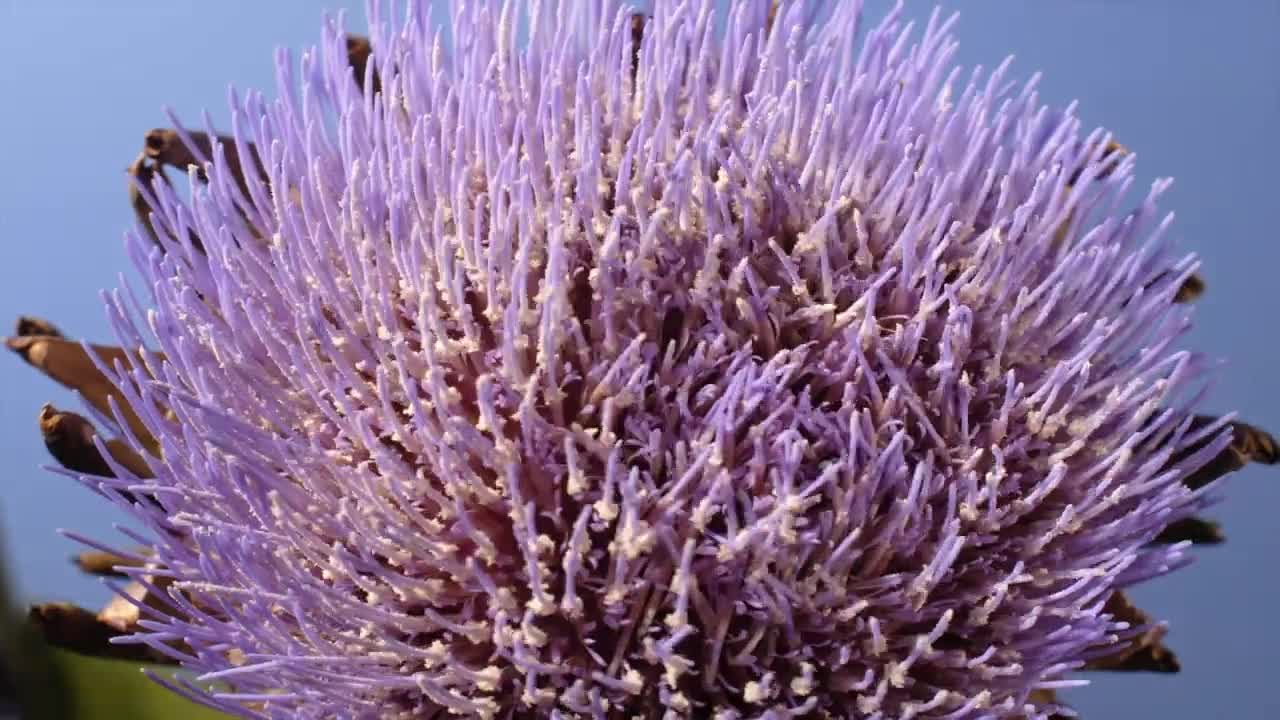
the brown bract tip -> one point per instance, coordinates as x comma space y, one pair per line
1248, 444
164, 147
29, 326
22, 345
1111, 155
1045, 698
73, 628
1255, 444
1192, 288
68, 363
359, 50
1197, 530
142, 173
1145, 652
69, 439
772, 18
638, 21
98, 562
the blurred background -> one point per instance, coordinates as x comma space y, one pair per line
1192, 88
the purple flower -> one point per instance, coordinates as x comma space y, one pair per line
758, 371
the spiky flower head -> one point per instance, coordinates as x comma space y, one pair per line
723, 364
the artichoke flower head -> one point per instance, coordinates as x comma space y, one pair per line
706, 362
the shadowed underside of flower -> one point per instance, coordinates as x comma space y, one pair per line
614, 368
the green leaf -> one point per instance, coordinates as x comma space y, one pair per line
110, 689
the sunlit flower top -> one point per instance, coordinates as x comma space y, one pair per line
770, 368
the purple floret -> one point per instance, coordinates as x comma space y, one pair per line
794, 376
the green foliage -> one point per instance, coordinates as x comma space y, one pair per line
52, 684
110, 689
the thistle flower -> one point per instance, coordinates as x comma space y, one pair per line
670, 368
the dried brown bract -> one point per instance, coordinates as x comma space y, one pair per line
99, 562
1249, 444
73, 628
358, 53
1146, 652
1197, 530
30, 326
638, 22
165, 147
69, 438
68, 363
1192, 288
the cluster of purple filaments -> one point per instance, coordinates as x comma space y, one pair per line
765, 373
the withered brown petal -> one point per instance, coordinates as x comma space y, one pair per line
73, 628
67, 363
1145, 652
358, 52
28, 326
1248, 444
98, 562
1197, 530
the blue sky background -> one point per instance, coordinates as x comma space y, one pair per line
1192, 87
